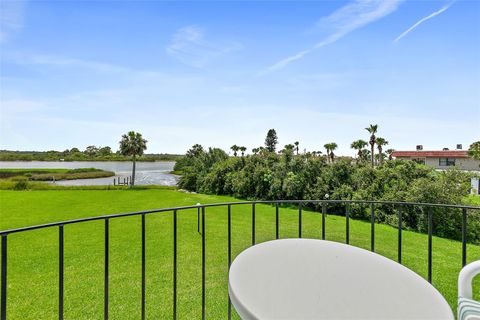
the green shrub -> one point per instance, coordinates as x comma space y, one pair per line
271, 176
20, 185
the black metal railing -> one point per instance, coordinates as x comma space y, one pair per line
201, 208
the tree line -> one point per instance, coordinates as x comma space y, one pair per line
91, 153
288, 174
362, 153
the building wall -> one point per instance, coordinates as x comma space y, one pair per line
468, 164
475, 186
460, 163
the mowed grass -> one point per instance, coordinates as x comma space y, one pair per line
33, 256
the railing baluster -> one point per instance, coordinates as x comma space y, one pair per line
400, 234
300, 220
277, 218
464, 237
253, 224
174, 264
430, 231
324, 213
106, 265
198, 219
60, 271
203, 263
143, 266
229, 255
372, 227
201, 229
3, 314
347, 226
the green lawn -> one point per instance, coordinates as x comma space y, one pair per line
474, 200
33, 256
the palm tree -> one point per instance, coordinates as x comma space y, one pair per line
235, 149
255, 150
333, 146
330, 147
133, 144
242, 149
372, 130
358, 145
327, 147
389, 152
380, 143
364, 154
296, 143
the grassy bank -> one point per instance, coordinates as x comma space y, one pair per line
55, 174
33, 256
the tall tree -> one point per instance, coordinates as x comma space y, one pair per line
364, 155
235, 149
474, 150
327, 148
133, 144
271, 140
330, 147
195, 151
105, 151
333, 146
296, 143
372, 130
242, 149
389, 153
358, 145
91, 151
380, 143
255, 150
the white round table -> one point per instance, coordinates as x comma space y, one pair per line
317, 279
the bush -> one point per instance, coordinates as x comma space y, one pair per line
271, 176
20, 185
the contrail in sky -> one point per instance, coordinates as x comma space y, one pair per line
419, 22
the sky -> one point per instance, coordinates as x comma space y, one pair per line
218, 73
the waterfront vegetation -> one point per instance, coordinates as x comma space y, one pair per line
33, 256
74, 154
21, 179
268, 175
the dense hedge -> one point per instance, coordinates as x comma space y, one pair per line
268, 176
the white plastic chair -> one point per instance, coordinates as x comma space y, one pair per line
468, 309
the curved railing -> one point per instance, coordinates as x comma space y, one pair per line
201, 208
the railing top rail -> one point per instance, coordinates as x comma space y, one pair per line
119, 215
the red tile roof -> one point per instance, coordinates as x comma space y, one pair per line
431, 154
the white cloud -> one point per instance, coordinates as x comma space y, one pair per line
63, 62
343, 21
12, 16
419, 22
190, 46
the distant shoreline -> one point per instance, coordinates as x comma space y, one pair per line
76, 155
88, 160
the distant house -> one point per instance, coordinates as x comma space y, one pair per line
440, 159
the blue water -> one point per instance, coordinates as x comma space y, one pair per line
147, 173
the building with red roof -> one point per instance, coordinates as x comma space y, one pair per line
442, 159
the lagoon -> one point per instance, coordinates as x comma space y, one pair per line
147, 173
